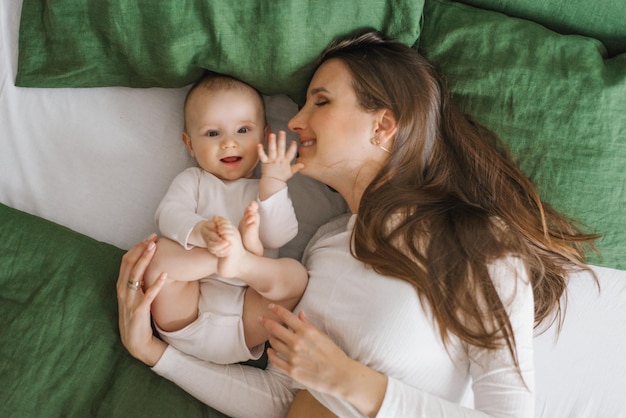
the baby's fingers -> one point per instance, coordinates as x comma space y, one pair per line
291, 151
281, 145
262, 155
271, 146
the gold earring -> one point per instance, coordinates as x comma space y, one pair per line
376, 141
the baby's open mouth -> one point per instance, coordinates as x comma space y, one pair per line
233, 159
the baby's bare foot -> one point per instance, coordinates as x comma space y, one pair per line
229, 263
249, 229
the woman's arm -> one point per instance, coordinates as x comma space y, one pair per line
235, 390
498, 388
311, 358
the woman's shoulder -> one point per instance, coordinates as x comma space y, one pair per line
336, 225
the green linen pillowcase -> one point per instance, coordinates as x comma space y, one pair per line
554, 99
601, 20
60, 346
270, 44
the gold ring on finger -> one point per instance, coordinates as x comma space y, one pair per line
134, 285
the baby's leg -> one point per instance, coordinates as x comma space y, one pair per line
176, 305
256, 306
275, 279
249, 229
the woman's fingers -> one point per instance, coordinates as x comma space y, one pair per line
282, 337
286, 317
153, 291
277, 331
277, 360
129, 260
139, 268
131, 257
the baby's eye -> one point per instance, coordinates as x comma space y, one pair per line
212, 133
243, 130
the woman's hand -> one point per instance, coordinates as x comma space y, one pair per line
312, 358
134, 304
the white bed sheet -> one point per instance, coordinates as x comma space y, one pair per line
99, 160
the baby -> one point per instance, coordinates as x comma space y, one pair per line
210, 263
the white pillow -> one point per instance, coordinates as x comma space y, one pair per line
99, 160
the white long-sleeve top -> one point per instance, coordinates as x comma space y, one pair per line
196, 195
380, 322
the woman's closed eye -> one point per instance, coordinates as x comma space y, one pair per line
321, 102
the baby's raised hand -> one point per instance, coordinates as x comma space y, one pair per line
276, 162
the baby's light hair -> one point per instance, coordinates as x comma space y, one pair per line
213, 81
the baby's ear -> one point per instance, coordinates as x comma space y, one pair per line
188, 145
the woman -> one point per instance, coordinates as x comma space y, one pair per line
455, 258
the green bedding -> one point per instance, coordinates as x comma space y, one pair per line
556, 100
601, 19
59, 343
269, 44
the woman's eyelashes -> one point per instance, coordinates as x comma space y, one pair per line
321, 102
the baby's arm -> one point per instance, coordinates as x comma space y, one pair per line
176, 215
276, 167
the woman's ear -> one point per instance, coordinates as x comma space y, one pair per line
188, 145
386, 128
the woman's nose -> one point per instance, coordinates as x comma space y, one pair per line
295, 124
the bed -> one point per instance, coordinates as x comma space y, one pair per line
90, 115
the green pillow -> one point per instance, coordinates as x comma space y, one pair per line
145, 43
602, 20
554, 99
59, 343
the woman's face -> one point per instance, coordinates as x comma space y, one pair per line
333, 129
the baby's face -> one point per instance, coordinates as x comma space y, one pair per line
224, 128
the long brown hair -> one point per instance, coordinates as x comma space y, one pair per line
450, 201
